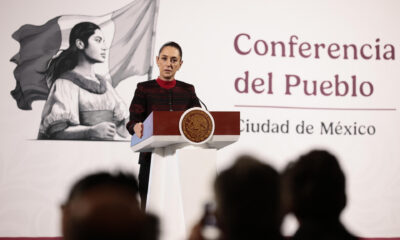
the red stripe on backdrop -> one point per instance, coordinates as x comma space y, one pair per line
30, 238
60, 238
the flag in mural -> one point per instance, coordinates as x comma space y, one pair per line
129, 33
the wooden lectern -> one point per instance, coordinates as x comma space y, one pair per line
181, 174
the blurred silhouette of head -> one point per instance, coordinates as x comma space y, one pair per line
105, 206
247, 196
316, 187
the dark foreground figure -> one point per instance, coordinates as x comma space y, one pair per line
103, 206
314, 190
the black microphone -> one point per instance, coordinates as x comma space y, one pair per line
202, 103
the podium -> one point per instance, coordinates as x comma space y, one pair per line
181, 173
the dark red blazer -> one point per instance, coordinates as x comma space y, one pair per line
149, 97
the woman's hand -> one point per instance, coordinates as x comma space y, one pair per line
138, 129
103, 130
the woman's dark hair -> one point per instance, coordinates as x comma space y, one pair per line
171, 44
68, 59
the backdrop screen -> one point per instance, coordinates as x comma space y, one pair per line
303, 74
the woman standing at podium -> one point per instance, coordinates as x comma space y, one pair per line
162, 94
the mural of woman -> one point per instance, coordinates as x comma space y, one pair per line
82, 104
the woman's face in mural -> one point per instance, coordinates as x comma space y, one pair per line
96, 49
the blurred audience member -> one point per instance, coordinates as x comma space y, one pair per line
314, 190
247, 202
105, 206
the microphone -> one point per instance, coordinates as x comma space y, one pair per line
202, 103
